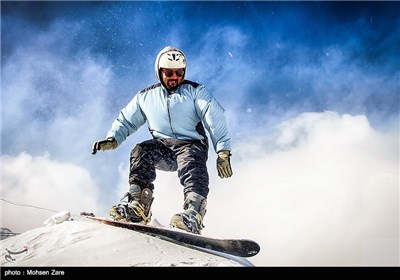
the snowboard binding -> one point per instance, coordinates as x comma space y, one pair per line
136, 209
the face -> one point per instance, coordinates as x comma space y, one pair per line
172, 77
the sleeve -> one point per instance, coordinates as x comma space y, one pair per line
213, 117
129, 120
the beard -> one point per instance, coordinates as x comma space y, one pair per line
172, 84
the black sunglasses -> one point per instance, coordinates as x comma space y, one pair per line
169, 73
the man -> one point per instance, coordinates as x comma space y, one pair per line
176, 111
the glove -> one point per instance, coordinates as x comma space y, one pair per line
108, 144
224, 164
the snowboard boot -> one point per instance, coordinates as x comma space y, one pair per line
137, 207
191, 219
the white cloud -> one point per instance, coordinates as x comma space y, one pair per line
323, 190
41, 182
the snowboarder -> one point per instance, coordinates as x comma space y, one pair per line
176, 111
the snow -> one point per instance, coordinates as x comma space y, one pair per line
77, 241
58, 218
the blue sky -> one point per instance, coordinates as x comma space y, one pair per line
278, 48
284, 71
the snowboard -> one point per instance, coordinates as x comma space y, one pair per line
236, 247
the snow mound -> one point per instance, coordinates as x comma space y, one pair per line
81, 242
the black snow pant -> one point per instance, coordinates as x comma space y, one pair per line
188, 157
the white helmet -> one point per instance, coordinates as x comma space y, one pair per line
171, 58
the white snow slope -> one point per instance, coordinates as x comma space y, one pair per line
63, 241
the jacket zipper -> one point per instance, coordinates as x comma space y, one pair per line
169, 114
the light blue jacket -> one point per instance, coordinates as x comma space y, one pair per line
180, 115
